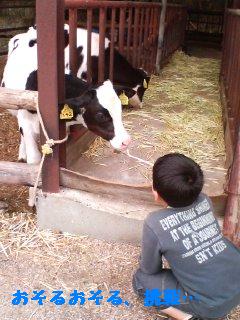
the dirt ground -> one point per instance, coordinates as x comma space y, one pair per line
34, 260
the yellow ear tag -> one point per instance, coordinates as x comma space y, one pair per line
66, 113
124, 99
145, 85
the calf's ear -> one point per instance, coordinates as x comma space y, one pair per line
75, 106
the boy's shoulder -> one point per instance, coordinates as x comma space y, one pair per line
153, 217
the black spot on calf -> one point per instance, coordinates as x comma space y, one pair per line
66, 38
80, 57
32, 42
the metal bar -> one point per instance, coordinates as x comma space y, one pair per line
110, 4
146, 36
60, 80
149, 62
135, 36
157, 12
111, 62
101, 61
89, 44
140, 44
122, 30
50, 19
73, 40
129, 33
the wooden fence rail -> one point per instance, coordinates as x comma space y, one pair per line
131, 27
230, 84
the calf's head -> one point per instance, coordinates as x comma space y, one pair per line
140, 88
101, 111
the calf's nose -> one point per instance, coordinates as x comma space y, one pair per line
126, 141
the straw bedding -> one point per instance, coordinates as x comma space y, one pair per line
182, 113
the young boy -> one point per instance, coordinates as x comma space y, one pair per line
205, 266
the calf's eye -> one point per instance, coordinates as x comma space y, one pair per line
32, 43
101, 117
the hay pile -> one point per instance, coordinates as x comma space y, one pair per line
19, 232
182, 113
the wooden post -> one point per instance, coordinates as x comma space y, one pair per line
232, 214
161, 35
50, 24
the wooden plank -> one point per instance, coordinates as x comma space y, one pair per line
227, 134
24, 174
18, 99
79, 142
74, 180
17, 173
232, 213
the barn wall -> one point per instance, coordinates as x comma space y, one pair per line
15, 17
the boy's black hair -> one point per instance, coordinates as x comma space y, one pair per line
177, 179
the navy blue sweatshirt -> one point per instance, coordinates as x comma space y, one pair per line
205, 263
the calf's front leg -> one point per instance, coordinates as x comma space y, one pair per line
29, 124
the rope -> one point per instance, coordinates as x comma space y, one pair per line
46, 150
127, 153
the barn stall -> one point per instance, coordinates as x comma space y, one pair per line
98, 185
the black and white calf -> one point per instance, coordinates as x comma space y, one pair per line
124, 73
133, 81
98, 108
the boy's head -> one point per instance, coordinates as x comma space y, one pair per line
177, 179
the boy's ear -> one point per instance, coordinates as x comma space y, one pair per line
155, 194
158, 198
